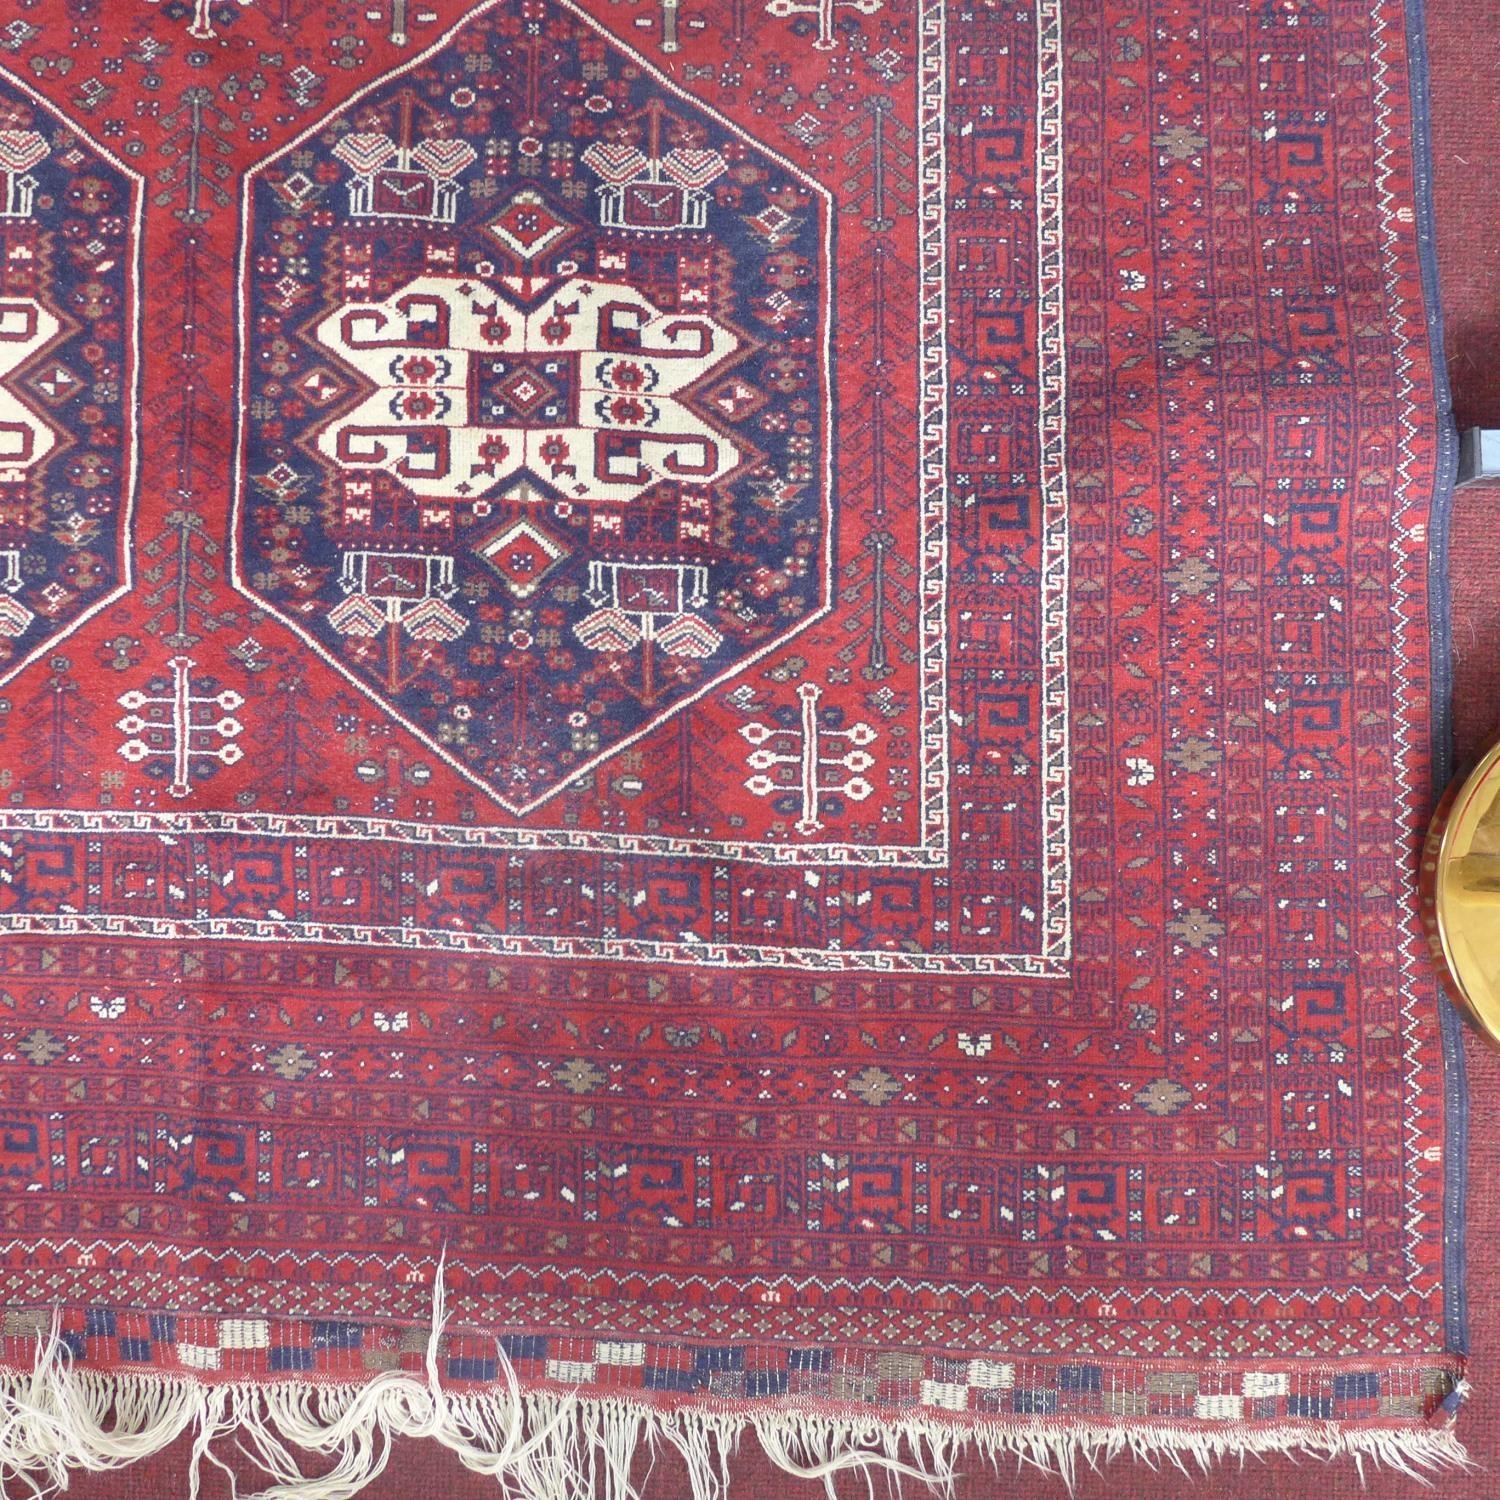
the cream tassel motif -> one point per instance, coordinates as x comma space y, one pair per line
549, 1445
201, 28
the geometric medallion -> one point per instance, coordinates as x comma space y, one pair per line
68, 248
537, 440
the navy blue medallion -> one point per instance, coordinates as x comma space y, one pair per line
68, 246
537, 443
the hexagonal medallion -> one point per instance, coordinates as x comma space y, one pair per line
69, 304
538, 439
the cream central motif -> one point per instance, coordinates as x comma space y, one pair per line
25, 326
578, 383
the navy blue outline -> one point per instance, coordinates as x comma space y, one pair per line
1440, 622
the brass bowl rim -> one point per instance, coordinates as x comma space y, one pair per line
1481, 771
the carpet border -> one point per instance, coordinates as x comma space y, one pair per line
1440, 625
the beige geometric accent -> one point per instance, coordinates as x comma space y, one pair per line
25, 438
625, 427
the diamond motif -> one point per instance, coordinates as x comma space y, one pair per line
522, 554
528, 225
54, 383
735, 399
514, 389
321, 386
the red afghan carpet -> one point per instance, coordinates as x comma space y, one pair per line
716, 716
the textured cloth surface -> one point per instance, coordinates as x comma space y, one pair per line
1466, 109
564, 577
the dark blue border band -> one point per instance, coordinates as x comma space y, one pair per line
1439, 607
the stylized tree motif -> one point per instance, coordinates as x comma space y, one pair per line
811, 763
881, 184
183, 575
398, 595
197, 142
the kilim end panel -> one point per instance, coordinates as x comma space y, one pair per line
741, 694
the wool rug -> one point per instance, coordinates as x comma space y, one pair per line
717, 718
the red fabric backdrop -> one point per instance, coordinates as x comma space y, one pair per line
1466, 142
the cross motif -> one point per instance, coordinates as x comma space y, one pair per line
824, 10
174, 722
808, 760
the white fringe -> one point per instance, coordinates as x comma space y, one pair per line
546, 1445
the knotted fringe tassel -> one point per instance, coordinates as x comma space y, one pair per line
543, 1445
